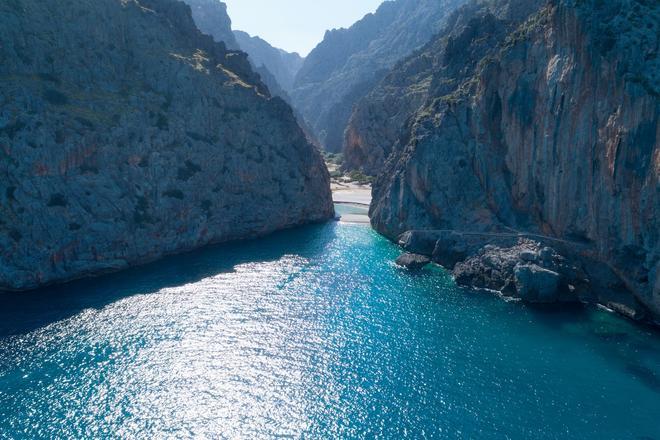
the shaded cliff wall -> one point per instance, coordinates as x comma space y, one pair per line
126, 134
557, 134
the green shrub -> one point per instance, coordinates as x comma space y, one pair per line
162, 123
360, 177
190, 169
206, 207
334, 158
57, 200
15, 235
174, 194
55, 97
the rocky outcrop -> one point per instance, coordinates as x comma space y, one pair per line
284, 66
519, 271
348, 63
525, 266
212, 19
413, 261
126, 135
556, 134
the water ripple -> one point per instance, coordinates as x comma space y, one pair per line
314, 334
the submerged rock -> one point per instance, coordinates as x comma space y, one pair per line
281, 64
126, 135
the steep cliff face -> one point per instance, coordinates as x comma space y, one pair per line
126, 134
284, 66
472, 32
212, 19
557, 134
349, 62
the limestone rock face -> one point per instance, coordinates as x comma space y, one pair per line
348, 63
556, 133
126, 135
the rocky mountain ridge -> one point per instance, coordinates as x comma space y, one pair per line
275, 67
212, 19
126, 135
349, 62
283, 65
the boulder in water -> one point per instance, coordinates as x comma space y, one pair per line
536, 284
413, 261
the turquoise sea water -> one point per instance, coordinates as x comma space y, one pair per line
314, 333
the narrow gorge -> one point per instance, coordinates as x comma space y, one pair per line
442, 221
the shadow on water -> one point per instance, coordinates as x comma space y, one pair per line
633, 347
27, 311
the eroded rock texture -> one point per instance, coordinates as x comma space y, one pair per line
126, 134
556, 133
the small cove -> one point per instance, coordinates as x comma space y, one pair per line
315, 333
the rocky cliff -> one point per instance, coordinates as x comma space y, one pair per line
212, 19
284, 66
349, 62
553, 139
471, 33
126, 135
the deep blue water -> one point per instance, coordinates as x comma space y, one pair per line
314, 333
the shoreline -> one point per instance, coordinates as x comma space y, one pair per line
354, 200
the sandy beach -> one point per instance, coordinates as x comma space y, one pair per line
352, 202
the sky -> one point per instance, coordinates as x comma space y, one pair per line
296, 25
